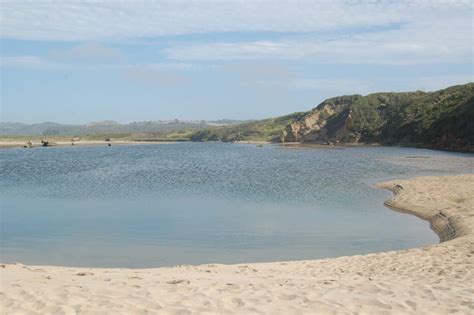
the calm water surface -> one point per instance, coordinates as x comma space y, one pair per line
192, 203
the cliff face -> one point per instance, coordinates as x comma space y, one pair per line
441, 119
312, 125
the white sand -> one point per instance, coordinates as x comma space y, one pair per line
437, 279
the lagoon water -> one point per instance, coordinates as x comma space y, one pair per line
193, 203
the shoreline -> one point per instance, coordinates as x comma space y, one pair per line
446, 224
78, 143
434, 279
9, 144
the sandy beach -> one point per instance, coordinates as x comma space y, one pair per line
437, 279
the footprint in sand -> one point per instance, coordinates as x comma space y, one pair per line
233, 302
81, 274
288, 297
411, 304
178, 281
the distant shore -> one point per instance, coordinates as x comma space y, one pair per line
434, 279
22, 142
51, 143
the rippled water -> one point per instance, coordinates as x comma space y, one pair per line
190, 203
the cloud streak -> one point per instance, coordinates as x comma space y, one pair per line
154, 77
30, 63
88, 51
346, 85
40, 63
432, 40
98, 20
376, 32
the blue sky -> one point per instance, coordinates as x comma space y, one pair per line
76, 62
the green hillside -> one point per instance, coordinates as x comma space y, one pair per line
441, 119
267, 129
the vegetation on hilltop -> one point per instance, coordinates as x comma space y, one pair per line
442, 119
267, 130
50, 129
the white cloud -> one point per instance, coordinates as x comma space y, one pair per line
249, 73
426, 83
39, 63
30, 62
164, 66
379, 32
154, 77
435, 39
97, 20
341, 86
88, 51
347, 85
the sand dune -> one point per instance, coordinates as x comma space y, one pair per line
436, 279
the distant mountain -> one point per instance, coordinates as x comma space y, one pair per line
223, 122
102, 123
106, 127
442, 119
13, 128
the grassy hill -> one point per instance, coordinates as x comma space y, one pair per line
166, 130
442, 119
267, 129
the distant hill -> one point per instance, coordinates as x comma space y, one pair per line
102, 123
106, 127
442, 119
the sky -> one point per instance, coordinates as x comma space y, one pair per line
82, 61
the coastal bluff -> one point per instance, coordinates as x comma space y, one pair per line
439, 120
